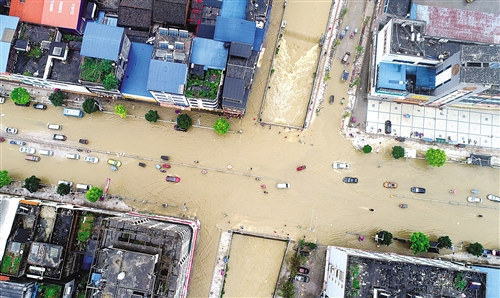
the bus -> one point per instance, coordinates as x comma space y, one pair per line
73, 113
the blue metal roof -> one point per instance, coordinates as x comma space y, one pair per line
209, 53
135, 80
492, 279
102, 41
230, 29
6, 22
259, 39
426, 77
233, 9
391, 76
167, 76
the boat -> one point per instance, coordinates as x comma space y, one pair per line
141, 164
301, 168
165, 157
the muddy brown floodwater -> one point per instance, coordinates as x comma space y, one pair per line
318, 204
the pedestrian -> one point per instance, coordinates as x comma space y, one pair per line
250, 169
196, 161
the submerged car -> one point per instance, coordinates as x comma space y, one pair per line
339, 165
390, 185
303, 270
20, 143
11, 130
32, 158
39, 106
474, 200
27, 150
173, 179
350, 180
345, 75
493, 198
59, 137
417, 190
283, 185
114, 162
302, 278
91, 159
176, 127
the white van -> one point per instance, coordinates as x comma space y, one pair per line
83, 187
46, 152
73, 156
283, 185
73, 113
54, 126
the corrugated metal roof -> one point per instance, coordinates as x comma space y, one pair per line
234, 89
167, 77
392, 76
233, 9
259, 38
209, 53
102, 41
240, 50
231, 30
492, 279
9, 24
206, 31
135, 81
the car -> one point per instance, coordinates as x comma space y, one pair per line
2, 139
27, 150
339, 165
23, 105
39, 106
390, 185
418, 190
350, 180
345, 58
176, 127
474, 200
342, 34
469, 1
174, 179
493, 198
332, 99
20, 143
302, 278
83, 141
303, 270
91, 159
345, 75
58, 137
2, 99
283, 185
54, 126
69, 183
114, 162
11, 130
388, 127
305, 253
32, 158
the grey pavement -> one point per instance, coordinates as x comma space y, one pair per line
220, 264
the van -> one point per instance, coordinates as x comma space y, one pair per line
69, 183
73, 156
83, 187
73, 113
54, 126
283, 185
32, 158
46, 152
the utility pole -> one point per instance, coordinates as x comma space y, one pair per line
310, 224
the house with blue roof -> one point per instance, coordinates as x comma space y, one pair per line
104, 45
8, 28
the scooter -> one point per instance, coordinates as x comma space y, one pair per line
474, 191
352, 35
342, 101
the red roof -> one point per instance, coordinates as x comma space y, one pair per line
460, 24
56, 13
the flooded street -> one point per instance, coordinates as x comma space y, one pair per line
318, 204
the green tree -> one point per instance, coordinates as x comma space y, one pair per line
20, 96
32, 183
384, 237
475, 249
184, 121
152, 116
4, 178
94, 194
63, 189
444, 242
121, 111
57, 98
110, 82
367, 149
435, 157
398, 152
221, 126
286, 290
419, 242
360, 49
90, 106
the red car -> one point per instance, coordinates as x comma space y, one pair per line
174, 179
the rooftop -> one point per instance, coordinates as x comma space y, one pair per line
480, 64
170, 12
234, 30
135, 14
65, 14
174, 83
102, 41
209, 53
46, 255
8, 28
136, 76
173, 45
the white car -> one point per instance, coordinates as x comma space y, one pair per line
338, 165
91, 159
11, 130
493, 198
283, 185
27, 150
474, 200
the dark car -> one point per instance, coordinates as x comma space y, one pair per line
350, 180
303, 270
39, 106
332, 99
388, 127
174, 179
418, 190
176, 127
83, 141
305, 253
23, 105
165, 157
302, 278
345, 58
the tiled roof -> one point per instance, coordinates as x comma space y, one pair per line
62, 13
135, 13
170, 11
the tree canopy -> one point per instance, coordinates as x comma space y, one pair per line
94, 194
367, 149
398, 152
444, 242
152, 116
184, 121
475, 249
384, 237
221, 126
4, 178
435, 157
57, 98
63, 189
110, 82
20, 96
32, 183
121, 111
419, 242
90, 106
